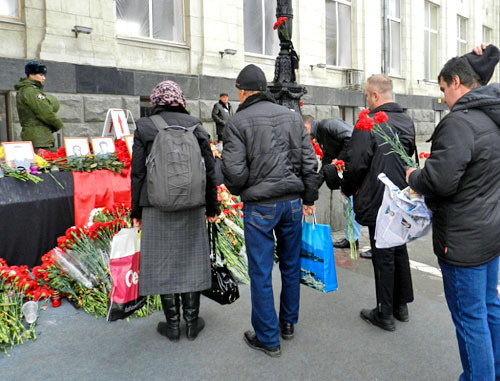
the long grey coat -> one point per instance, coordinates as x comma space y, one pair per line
175, 256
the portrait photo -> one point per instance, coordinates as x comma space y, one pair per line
129, 140
103, 145
19, 155
76, 146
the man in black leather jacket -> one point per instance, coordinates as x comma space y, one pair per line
269, 160
333, 136
368, 157
461, 183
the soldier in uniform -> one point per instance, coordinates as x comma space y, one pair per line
37, 110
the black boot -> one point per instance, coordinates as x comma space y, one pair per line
170, 329
191, 308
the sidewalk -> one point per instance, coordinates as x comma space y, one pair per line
331, 341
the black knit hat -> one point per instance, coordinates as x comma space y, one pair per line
35, 67
484, 65
251, 77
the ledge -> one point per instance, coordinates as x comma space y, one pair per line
152, 41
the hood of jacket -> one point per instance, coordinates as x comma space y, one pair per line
23, 82
256, 98
484, 98
387, 107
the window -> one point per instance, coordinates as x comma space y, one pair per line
338, 33
431, 41
10, 9
461, 36
259, 19
486, 35
393, 42
158, 19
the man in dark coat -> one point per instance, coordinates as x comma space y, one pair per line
220, 114
333, 136
461, 183
368, 157
269, 160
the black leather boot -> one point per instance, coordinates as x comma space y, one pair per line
171, 306
191, 308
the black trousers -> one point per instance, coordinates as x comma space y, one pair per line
391, 267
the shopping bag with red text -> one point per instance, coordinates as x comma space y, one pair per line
124, 298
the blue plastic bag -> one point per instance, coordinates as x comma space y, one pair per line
317, 263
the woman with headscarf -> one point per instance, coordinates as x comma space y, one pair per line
175, 257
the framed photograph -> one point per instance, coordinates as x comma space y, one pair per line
76, 146
129, 140
19, 155
103, 145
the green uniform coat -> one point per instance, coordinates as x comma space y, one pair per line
37, 113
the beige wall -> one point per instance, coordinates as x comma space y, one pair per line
44, 32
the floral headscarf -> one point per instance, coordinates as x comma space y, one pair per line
168, 93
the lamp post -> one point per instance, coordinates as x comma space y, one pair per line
284, 88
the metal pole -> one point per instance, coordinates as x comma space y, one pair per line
284, 88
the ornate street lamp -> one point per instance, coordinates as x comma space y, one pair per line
284, 88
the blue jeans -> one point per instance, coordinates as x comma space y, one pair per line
472, 297
285, 219
356, 226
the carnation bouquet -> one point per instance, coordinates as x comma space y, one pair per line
348, 214
16, 286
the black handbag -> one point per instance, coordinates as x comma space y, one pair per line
224, 288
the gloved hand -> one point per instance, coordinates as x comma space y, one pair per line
331, 176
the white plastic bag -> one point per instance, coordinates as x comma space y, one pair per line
402, 216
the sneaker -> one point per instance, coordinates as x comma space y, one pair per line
401, 313
374, 317
286, 330
343, 244
252, 341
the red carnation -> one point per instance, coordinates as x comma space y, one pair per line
339, 164
363, 114
381, 117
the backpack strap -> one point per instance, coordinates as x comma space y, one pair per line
159, 122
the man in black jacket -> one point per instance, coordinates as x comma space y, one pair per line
333, 136
269, 160
461, 183
220, 114
368, 157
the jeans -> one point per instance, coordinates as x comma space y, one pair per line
472, 297
284, 218
393, 284
356, 226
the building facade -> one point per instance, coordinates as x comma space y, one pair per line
105, 54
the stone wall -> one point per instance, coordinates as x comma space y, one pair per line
82, 114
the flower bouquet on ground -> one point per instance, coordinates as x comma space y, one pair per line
348, 214
231, 240
15, 282
79, 266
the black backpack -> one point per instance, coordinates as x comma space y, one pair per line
176, 174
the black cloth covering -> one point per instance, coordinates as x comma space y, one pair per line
33, 216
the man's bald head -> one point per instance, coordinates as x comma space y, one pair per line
378, 90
